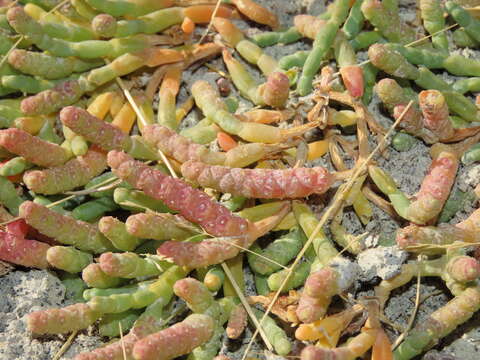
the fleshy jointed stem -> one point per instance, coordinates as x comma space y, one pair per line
20, 251
74, 173
63, 320
177, 340
157, 226
32, 148
64, 229
259, 183
440, 323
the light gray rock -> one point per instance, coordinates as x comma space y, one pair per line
23, 292
384, 262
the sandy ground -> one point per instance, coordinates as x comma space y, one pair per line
24, 291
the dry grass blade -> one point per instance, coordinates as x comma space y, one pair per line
332, 209
65, 346
358, 240
124, 352
414, 313
14, 46
207, 30
139, 114
58, 202
114, 183
247, 307
257, 254
419, 41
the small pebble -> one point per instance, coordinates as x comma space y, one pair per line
223, 87
384, 262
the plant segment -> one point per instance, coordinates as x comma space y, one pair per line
259, 183
433, 192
